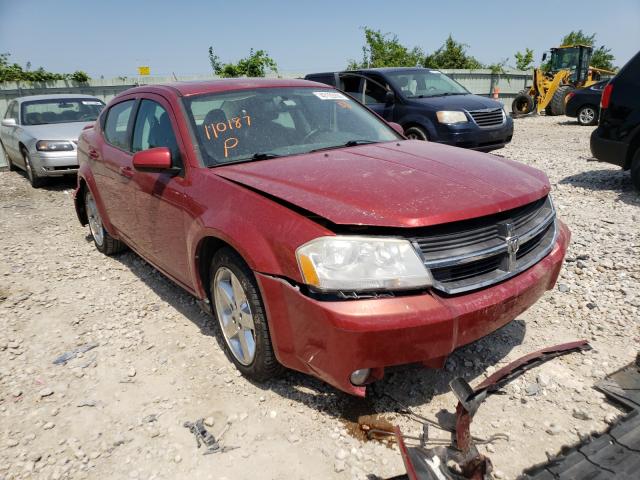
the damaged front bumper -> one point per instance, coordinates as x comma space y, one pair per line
332, 339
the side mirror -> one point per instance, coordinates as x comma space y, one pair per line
155, 159
9, 122
389, 97
544, 56
397, 127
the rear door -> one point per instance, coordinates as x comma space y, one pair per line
112, 165
160, 197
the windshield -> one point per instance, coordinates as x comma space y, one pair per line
61, 110
263, 123
564, 59
425, 83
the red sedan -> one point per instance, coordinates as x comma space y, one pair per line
318, 236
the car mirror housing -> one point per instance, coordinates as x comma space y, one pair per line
397, 127
9, 122
154, 159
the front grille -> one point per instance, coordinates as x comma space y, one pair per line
472, 254
488, 118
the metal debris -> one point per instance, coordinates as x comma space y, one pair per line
204, 437
460, 458
71, 354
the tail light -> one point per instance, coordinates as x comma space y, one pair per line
570, 95
606, 96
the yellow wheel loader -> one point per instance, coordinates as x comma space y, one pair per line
567, 70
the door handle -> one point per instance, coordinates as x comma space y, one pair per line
93, 154
126, 172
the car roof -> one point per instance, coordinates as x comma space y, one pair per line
392, 69
222, 85
377, 69
54, 96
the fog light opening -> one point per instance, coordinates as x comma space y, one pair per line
360, 377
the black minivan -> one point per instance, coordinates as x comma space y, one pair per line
428, 104
617, 138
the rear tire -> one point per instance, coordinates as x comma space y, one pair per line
416, 133
522, 104
587, 115
104, 242
242, 321
34, 179
557, 104
635, 170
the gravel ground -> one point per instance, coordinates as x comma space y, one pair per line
117, 410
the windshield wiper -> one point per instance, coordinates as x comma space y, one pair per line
445, 94
263, 156
350, 143
253, 158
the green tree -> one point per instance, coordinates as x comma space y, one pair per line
257, 64
385, 50
13, 72
524, 60
602, 56
452, 54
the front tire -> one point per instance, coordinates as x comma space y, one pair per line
35, 180
557, 104
104, 242
587, 115
237, 306
416, 133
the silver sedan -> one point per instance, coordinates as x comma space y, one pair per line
39, 133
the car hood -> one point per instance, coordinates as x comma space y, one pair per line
458, 102
394, 184
56, 131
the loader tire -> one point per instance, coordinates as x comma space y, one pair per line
556, 106
522, 104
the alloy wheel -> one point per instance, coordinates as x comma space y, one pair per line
235, 316
587, 115
95, 222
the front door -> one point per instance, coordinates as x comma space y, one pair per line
375, 97
160, 197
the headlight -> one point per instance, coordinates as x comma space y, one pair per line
451, 117
355, 263
54, 146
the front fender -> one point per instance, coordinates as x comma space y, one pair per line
263, 231
421, 121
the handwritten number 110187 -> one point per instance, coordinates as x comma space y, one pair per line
231, 124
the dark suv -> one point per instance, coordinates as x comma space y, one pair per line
617, 138
428, 104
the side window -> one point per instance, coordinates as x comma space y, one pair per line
153, 129
117, 123
12, 111
351, 85
374, 92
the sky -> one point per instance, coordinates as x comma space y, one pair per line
113, 37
